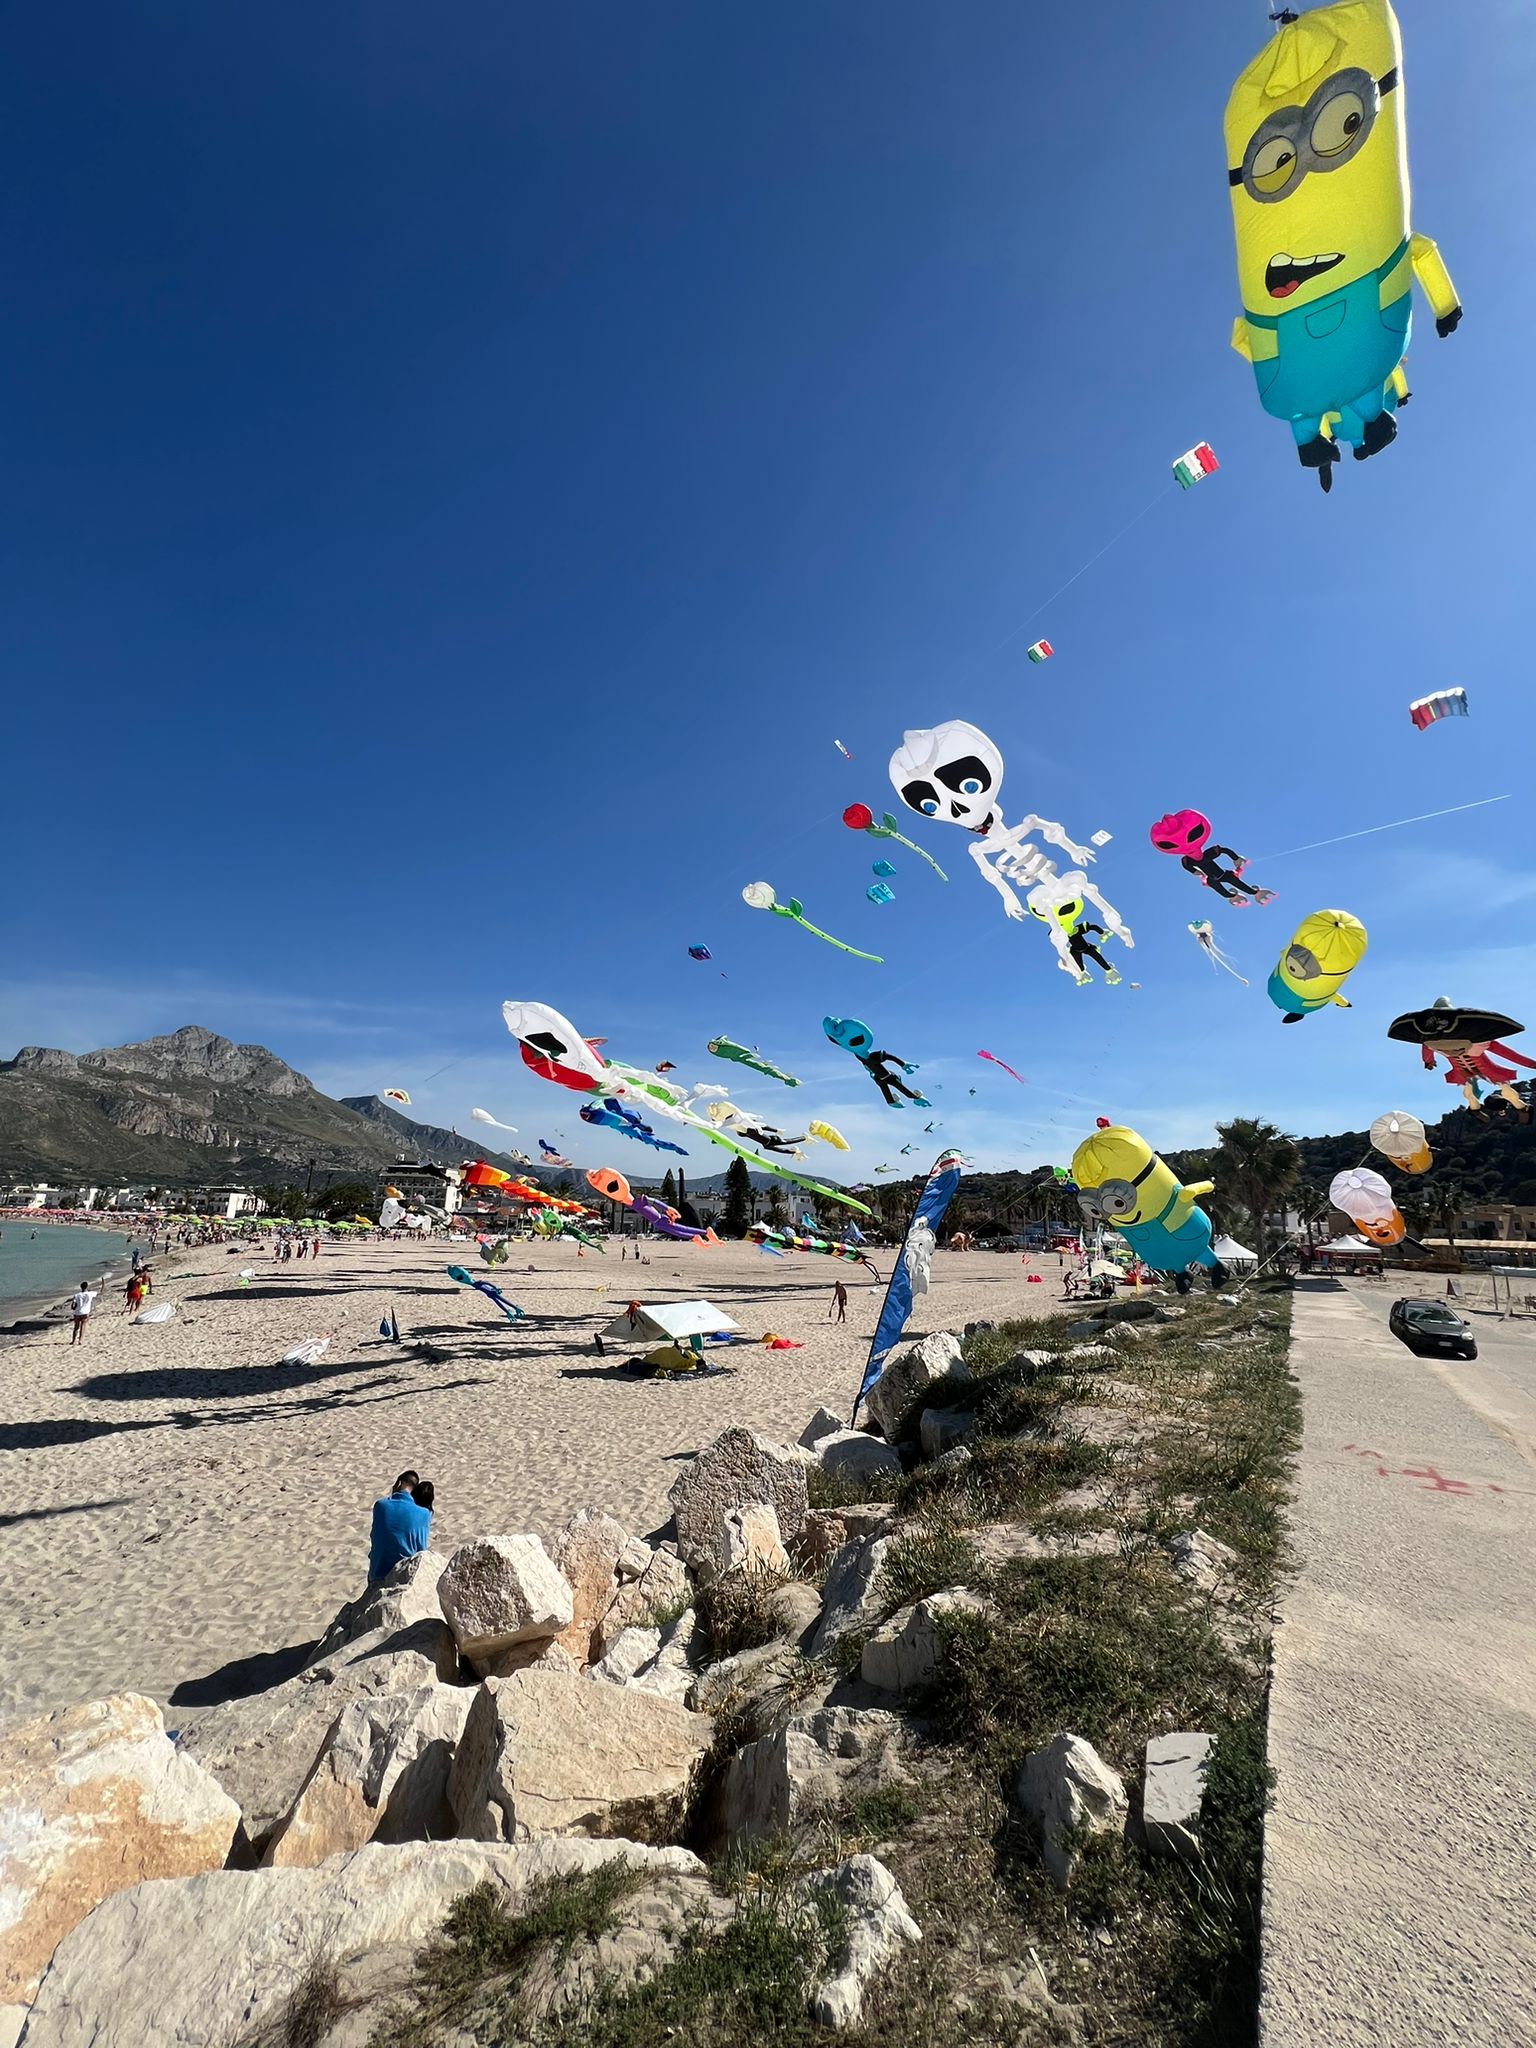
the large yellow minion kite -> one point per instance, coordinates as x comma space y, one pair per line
1317, 160
1122, 1182
1324, 951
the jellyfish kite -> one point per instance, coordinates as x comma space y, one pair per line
1317, 166
1205, 938
1324, 951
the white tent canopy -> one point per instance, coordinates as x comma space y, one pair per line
1354, 1247
668, 1322
1231, 1253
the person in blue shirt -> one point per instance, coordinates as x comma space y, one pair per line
402, 1526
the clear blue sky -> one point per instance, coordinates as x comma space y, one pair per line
465, 467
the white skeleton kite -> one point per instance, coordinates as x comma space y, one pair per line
953, 773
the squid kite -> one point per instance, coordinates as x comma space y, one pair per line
613, 1187
1205, 939
760, 896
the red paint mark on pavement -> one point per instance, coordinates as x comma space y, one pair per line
1437, 1482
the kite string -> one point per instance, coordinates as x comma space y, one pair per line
1264, 858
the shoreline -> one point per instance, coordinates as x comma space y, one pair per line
21, 1313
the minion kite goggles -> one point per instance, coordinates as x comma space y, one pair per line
1113, 1199
1321, 136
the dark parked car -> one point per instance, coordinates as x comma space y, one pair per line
1431, 1326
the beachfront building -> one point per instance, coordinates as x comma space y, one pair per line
1500, 1222
226, 1202
39, 1195
421, 1185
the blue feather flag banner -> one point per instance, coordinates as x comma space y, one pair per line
910, 1273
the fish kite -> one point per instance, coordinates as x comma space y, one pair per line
1187, 833
992, 1056
856, 1037
1444, 704
613, 1187
551, 1156
1324, 950
491, 1292
953, 773
728, 1049
1317, 166
1205, 939
760, 896
397, 1095
860, 818
1195, 464
483, 1116
613, 1116
1040, 650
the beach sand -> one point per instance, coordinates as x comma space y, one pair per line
180, 1512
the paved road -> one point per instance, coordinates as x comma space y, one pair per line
1400, 1860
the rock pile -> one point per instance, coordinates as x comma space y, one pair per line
511, 1713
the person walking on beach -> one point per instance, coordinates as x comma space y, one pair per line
133, 1295
839, 1301
401, 1527
81, 1302
314, 1248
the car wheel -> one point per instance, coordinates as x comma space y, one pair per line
1470, 1351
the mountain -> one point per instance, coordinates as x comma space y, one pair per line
191, 1109
425, 1141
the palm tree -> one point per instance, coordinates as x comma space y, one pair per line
1310, 1203
1256, 1165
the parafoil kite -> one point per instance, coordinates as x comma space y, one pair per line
552, 1157
1324, 950
954, 773
1402, 1139
491, 1292
1063, 905
1318, 169
1366, 1199
1194, 465
1187, 833
615, 1188
880, 892
760, 896
856, 1037
883, 868
699, 953
397, 1095
744, 1056
1122, 1182
992, 1056
1466, 1038
860, 818
1040, 650
1443, 704
483, 1116
1205, 939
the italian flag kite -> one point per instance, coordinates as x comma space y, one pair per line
1196, 463
1042, 650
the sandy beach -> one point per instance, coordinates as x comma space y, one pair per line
178, 1504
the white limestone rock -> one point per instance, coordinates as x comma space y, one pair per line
942, 1429
740, 1469
822, 1423
906, 1651
851, 1596
1067, 1789
501, 1591
795, 1772
907, 1373
878, 1925
1173, 1791
857, 1458
92, 1799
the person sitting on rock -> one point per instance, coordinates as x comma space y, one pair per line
401, 1528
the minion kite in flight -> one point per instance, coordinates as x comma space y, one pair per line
1317, 161
1122, 1182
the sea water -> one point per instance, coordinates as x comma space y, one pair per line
41, 1263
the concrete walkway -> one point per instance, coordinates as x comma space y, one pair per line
1400, 1857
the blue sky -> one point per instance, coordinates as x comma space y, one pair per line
465, 470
